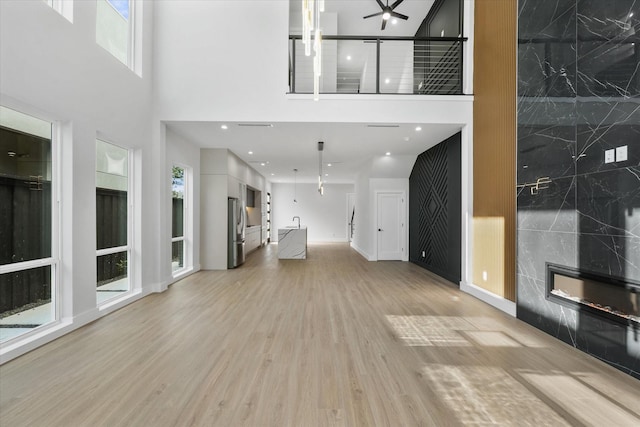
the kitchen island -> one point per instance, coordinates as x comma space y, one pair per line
292, 243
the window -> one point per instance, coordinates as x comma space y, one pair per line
178, 209
113, 219
27, 245
114, 28
63, 7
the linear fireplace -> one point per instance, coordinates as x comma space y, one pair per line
614, 298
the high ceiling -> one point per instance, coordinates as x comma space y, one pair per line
350, 15
280, 147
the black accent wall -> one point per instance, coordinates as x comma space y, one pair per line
578, 92
434, 210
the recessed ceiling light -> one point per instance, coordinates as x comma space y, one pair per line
263, 164
348, 57
326, 174
250, 152
329, 164
273, 174
418, 128
224, 127
388, 153
258, 125
406, 138
387, 80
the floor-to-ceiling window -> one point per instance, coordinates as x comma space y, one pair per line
28, 242
113, 220
178, 218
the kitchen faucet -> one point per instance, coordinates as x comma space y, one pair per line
294, 218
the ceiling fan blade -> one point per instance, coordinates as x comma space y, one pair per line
372, 15
381, 4
396, 4
384, 23
399, 15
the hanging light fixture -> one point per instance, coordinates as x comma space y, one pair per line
311, 23
295, 185
320, 183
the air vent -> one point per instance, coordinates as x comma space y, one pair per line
256, 125
383, 126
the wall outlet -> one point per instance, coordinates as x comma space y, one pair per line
610, 156
621, 153
423, 254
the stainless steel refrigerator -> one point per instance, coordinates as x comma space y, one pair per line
236, 224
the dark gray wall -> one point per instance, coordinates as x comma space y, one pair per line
434, 210
578, 88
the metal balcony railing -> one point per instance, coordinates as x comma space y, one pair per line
380, 65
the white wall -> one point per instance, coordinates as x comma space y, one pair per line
53, 69
325, 216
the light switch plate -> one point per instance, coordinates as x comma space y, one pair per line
621, 153
610, 156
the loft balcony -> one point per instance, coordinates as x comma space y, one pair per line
380, 65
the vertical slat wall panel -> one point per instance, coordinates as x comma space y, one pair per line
494, 146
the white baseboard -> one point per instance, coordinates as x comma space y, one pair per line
494, 300
182, 275
56, 330
46, 335
361, 252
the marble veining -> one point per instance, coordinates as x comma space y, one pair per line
292, 243
578, 96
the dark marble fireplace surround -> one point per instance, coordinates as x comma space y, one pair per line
579, 96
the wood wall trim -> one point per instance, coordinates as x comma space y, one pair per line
494, 147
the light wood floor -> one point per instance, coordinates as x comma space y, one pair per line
330, 341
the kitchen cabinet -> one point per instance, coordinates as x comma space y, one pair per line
252, 238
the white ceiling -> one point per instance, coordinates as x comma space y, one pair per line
351, 12
348, 146
285, 146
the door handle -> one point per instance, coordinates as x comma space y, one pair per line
379, 229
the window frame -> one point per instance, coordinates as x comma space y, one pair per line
63, 7
132, 36
52, 261
186, 212
129, 247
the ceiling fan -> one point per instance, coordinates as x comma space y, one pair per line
387, 12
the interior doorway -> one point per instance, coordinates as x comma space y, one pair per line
351, 214
390, 209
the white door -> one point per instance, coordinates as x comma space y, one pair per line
390, 226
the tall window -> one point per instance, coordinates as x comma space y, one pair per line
28, 255
114, 28
178, 207
113, 219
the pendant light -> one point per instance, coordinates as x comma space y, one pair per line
320, 183
311, 23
